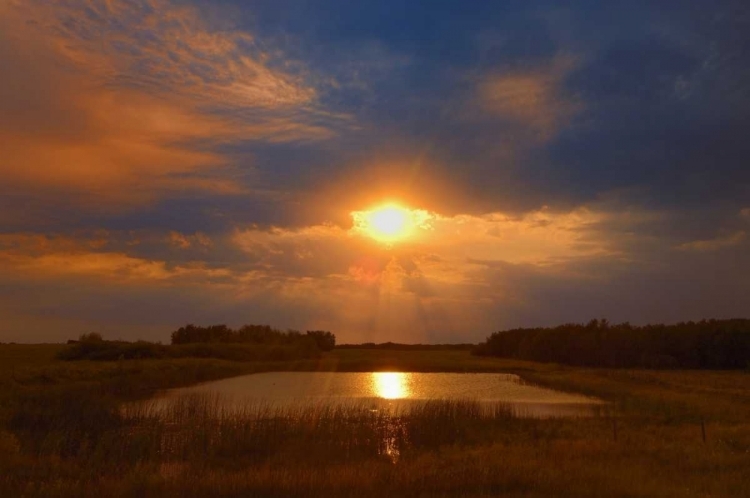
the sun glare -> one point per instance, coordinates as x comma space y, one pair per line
389, 222
390, 385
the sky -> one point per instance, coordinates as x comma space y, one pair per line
165, 162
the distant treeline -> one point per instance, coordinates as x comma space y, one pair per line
249, 343
251, 334
395, 346
709, 344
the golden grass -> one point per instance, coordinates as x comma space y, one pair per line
64, 434
336, 453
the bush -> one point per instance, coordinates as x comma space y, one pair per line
93, 347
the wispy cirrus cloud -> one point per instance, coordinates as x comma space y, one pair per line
125, 101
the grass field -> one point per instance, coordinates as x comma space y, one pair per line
62, 433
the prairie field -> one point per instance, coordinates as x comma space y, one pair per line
64, 432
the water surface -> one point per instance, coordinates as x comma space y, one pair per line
392, 390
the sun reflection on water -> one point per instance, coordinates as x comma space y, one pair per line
391, 385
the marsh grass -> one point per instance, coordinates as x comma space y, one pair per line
206, 431
72, 429
197, 446
211, 427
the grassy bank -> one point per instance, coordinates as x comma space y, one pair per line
63, 434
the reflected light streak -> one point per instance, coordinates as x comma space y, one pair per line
391, 385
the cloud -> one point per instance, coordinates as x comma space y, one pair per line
127, 101
332, 276
531, 97
714, 244
186, 241
43, 257
158, 44
169, 161
457, 279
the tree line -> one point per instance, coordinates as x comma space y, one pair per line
397, 346
252, 334
248, 343
707, 344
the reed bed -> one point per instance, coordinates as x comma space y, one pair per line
69, 430
200, 426
201, 445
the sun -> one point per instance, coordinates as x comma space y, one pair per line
389, 222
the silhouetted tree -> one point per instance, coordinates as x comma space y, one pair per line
705, 344
325, 340
252, 334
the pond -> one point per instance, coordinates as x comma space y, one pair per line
390, 390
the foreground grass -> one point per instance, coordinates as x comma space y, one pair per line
63, 434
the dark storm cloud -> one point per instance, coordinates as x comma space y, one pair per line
651, 97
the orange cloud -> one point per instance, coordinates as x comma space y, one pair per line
126, 100
157, 45
444, 278
185, 241
531, 97
457, 277
45, 257
435, 263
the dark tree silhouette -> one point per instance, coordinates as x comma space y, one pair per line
324, 339
251, 334
248, 343
710, 344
